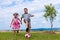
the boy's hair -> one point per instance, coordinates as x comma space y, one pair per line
15, 14
25, 8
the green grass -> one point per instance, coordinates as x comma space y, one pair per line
34, 36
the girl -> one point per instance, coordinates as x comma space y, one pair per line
15, 23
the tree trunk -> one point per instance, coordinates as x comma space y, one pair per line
51, 21
51, 26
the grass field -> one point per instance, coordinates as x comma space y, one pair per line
34, 36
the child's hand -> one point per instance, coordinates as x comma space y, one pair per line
10, 25
32, 15
21, 22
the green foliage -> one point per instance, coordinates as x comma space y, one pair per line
50, 12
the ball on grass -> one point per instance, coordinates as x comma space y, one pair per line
27, 35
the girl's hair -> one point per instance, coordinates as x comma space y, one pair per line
15, 14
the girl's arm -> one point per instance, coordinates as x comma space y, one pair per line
11, 23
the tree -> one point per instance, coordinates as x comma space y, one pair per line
50, 13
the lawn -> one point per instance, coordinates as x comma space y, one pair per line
34, 36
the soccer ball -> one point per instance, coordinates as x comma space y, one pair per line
27, 35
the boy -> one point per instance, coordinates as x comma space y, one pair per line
26, 18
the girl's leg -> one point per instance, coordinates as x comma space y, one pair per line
14, 32
17, 31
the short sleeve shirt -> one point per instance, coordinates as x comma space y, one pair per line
26, 16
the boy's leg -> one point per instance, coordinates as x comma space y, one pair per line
27, 24
27, 30
27, 27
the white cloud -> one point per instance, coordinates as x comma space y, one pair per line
8, 2
34, 7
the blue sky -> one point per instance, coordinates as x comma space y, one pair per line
36, 7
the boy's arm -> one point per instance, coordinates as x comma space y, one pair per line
20, 20
32, 15
22, 17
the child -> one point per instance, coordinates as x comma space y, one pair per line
26, 18
15, 23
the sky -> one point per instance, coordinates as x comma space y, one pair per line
35, 7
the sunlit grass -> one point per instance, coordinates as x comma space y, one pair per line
34, 36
